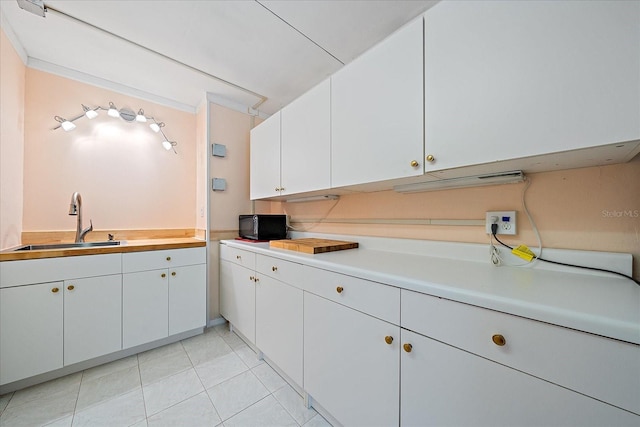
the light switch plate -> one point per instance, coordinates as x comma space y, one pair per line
506, 221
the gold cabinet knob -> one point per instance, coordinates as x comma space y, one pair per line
71, 287
277, 189
163, 275
388, 339
253, 279
407, 347
238, 257
498, 340
168, 258
55, 290
414, 163
339, 289
274, 268
256, 279
430, 158
173, 273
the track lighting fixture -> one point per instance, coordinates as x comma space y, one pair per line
125, 114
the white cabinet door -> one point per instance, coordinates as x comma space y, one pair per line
306, 141
30, 330
377, 112
145, 307
238, 298
265, 159
349, 369
92, 317
279, 325
445, 386
510, 79
187, 298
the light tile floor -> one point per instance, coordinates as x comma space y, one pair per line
213, 379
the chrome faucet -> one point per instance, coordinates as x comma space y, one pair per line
75, 208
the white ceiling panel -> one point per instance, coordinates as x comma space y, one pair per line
274, 49
347, 28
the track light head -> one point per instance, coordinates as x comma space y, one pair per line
113, 111
156, 126
140, 117
65, 124
91, 114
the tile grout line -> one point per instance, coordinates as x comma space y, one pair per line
200, 379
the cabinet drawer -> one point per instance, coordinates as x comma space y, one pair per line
599, 367
285, 271
238, 256
153, 260
373, 298
16, 273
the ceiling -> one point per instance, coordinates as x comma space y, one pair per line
175, 52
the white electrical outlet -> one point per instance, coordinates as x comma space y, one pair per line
506, 221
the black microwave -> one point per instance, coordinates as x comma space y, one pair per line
263, 227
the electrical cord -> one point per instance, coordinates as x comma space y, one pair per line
494, 229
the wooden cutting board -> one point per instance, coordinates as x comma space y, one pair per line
312, 245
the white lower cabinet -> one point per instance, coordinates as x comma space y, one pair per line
92, 317
445, 386
371, 354
349, 368
238, 298
159, 302
279, 325
57, 312
30, 330
145, 307
187, 298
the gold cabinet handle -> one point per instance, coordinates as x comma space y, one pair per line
55, 290
498, 340
163, 275
339, 289
256, 280
173, 273
238, 257
274, 268
253, 279
168, 258
388, 339
430, 158
414, 163
407, 347
71, 287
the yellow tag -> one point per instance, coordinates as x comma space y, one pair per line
523, 252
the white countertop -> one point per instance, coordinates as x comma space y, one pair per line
602, 305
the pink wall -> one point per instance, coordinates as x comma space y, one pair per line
12, 92
127, 180
577, 209
230, 128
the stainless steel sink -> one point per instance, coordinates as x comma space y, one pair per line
64, 246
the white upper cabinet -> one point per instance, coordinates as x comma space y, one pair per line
306, 142
265, 159
512, 79
377, 112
